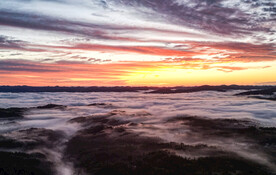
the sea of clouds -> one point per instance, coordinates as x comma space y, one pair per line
150, 111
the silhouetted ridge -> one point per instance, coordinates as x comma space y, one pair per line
222, 88
264, 94
72, 89
267, 91
163, 90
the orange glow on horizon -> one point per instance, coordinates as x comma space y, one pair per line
145, 74
190, 77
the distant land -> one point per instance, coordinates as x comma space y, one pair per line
160, 90
16, 89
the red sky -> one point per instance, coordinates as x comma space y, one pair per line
168, 43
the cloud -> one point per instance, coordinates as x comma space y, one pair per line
184, 59
8, 43
147, 50
64, 72
112, 39
41, 22
222, 17
191, 51
230, 68
88, 29
24, 66
239, 46
94, 60
267, 83
219, 16
240, 51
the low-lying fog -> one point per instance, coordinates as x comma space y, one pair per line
200, 118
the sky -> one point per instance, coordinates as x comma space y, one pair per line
137, 42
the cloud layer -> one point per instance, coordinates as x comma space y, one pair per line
219, 34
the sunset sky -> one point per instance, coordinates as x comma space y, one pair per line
137, 42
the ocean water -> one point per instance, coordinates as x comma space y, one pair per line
150, 112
